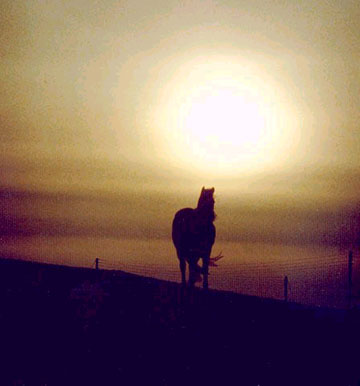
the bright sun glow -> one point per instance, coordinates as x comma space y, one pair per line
221, 118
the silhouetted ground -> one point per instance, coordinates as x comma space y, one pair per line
72, 326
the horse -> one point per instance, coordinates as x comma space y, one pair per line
193, 235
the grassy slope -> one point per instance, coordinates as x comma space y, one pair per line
64, 326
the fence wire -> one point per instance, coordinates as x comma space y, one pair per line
260, 278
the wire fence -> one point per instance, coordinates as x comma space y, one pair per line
316, 274
328, 280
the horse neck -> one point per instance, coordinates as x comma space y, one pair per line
206, 213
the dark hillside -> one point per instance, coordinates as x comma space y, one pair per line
72, 326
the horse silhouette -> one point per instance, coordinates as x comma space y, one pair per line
193, 234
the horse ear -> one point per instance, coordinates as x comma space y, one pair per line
213, 190
202, 190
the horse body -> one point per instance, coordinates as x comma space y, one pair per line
193, 234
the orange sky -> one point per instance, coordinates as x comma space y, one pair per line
84, 88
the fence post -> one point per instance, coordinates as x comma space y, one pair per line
350, 262
97, 263
286, 282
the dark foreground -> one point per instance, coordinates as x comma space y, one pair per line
69, 326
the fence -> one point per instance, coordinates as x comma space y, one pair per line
327, 280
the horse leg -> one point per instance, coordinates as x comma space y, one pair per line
192, 275
183, 271
205, 270
182, 262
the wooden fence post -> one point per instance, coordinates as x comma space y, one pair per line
350, 262
286, 282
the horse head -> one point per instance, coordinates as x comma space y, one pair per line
206, 199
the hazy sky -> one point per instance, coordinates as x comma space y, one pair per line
102, 99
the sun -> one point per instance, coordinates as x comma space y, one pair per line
221, 117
